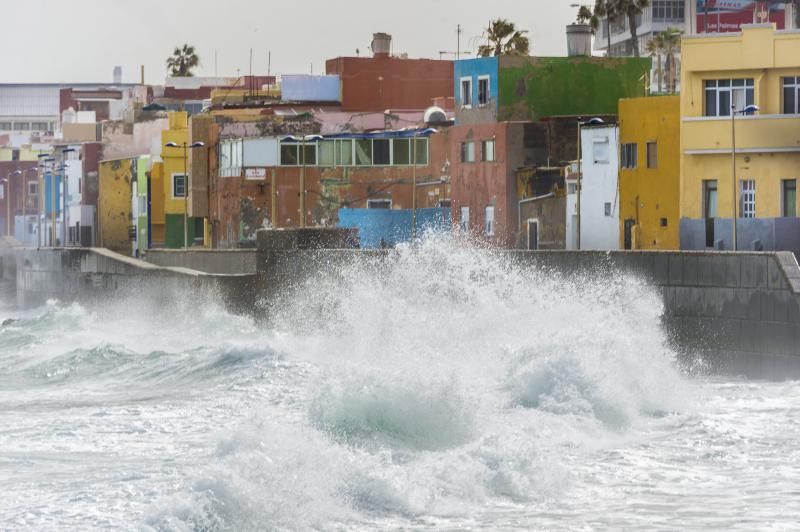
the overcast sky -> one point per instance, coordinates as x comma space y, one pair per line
82, 40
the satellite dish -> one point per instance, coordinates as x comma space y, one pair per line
435, 115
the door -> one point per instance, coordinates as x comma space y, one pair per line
533, 234
628, 235
710, 210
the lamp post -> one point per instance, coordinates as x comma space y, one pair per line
425, 132
42, 166
591, 122
303, 140
735, 195
186, 147
49, 171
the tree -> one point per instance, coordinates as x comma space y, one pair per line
182, 61
607, 9
630, 9
504, 39
655, 47
671, 45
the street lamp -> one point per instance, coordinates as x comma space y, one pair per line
186, 147
43, 161
735, 195
591, 122
426, 132
50, 160
303, 140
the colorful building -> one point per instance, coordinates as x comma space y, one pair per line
758, 66
114, 215
511, 88
141, 205
649, 173
175, 183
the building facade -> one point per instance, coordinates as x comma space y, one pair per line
758, 66
649, 173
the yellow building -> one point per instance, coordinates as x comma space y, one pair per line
649, 176
174, 184
758, 66
114, 209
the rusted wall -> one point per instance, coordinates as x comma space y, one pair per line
380, 83
551, 214
114, 204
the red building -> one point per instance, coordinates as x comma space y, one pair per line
390, 82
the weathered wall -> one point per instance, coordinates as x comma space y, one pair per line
114, 204
229, 261
96, 274
532, 88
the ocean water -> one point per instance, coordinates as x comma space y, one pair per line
445, 390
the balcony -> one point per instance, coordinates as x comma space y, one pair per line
754, 134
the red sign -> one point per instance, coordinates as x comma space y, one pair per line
729, 15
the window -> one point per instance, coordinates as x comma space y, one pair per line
464, 219
379, 204
289, 155
789, 198
22, 126
402, 151
178, 185
710, 198
664, 222
381, 152
487, 151
572, 188
327, 153
466, 92
607, 209
791, 88
5, 126
364, 152
600, 151
33, 188
39, 126
721, 94
652, 155
483, 90
628, 155
310, 151
747, 188
489, 227
344, 152
467, 152
668, 10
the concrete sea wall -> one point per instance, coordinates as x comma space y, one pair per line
81, 274
227, 262
740, 311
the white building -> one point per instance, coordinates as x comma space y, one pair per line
599, 210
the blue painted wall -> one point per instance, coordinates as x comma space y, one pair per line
392, 226
773, 234
473, 68
310, 88
48, 192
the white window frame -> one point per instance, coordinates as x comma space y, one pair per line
463, 219
468, 151
794, 84
629, 155
488, 80
742, 90
606, 158
466, 96
489, 224
185, 188
747, 194
484, 145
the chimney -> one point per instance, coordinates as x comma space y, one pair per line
579, 40
117, 75
381, 44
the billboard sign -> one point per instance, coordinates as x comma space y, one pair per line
720, 16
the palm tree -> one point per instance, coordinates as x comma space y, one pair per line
671, 45
607, 9
504, 39
182, 61
655, 47
630, 9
